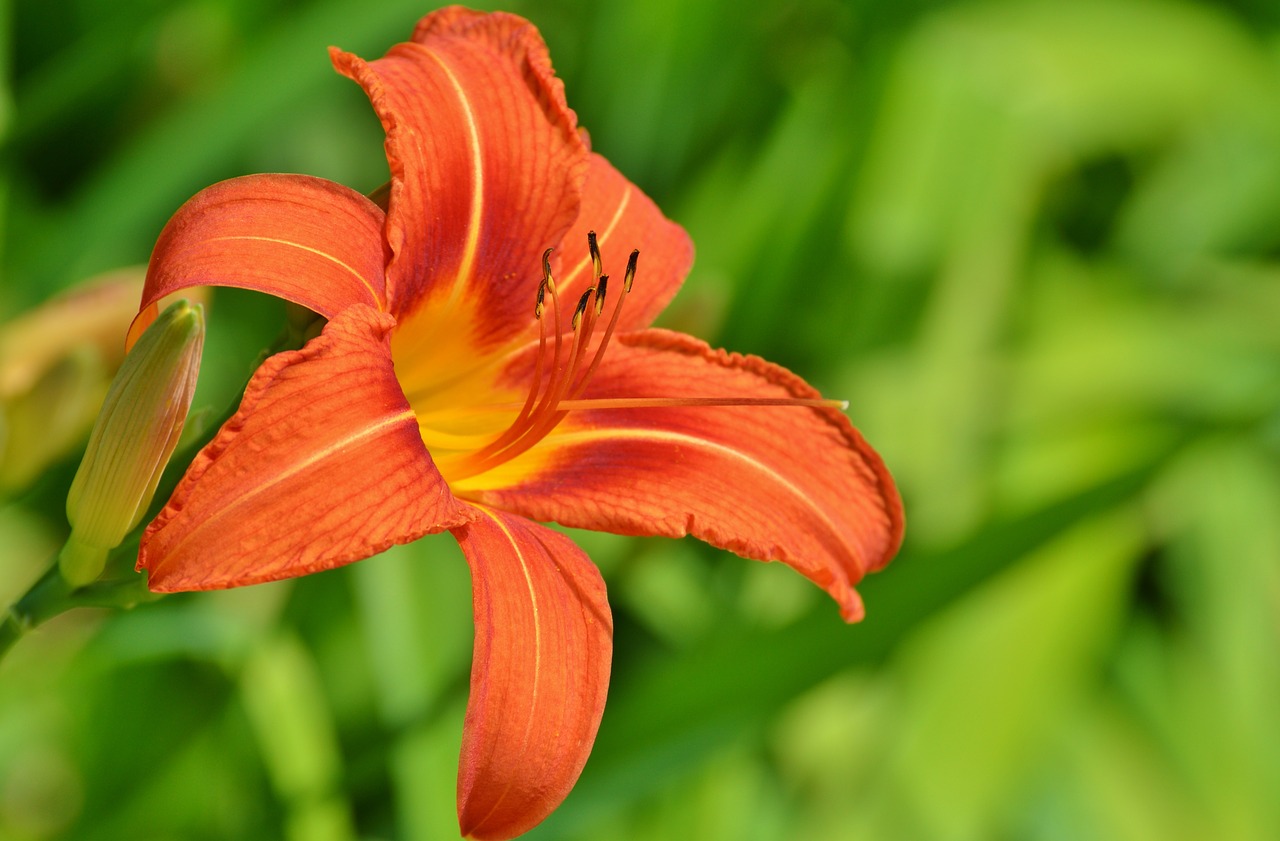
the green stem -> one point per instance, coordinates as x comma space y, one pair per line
51, 595
40, 602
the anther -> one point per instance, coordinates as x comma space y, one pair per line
631, 271
600, 289
564, 376
596, 262
582, 307
546, 271
537, 307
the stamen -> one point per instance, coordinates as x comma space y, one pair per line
532, 426
580, 337
596, 264
613, 321
569, 405
600, 289
558, 384
527, 408
582, 307
663, 402
537, 307
547, 280
531, 407
631, 271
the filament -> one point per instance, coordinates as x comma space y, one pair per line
558, 383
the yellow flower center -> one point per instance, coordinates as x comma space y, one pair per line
471, 423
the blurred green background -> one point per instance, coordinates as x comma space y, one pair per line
1037, 246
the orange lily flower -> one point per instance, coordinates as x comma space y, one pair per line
480, 371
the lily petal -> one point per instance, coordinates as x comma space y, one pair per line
544, 640
486, 169
790, 484
624, 219
322, 465
304, 239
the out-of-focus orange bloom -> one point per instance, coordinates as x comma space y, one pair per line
56, 362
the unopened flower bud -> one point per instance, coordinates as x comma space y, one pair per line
132, 439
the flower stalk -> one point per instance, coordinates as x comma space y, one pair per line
52, 595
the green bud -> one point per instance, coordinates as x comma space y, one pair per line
135, 433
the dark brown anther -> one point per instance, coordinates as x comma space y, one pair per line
631, 271
542, 292
596, 262
546, 270
600, 290
582, 307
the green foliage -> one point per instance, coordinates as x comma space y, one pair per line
1034, 244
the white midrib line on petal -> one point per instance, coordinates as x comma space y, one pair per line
602, 240
477, 195
590, 435
373, 294
299, 466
